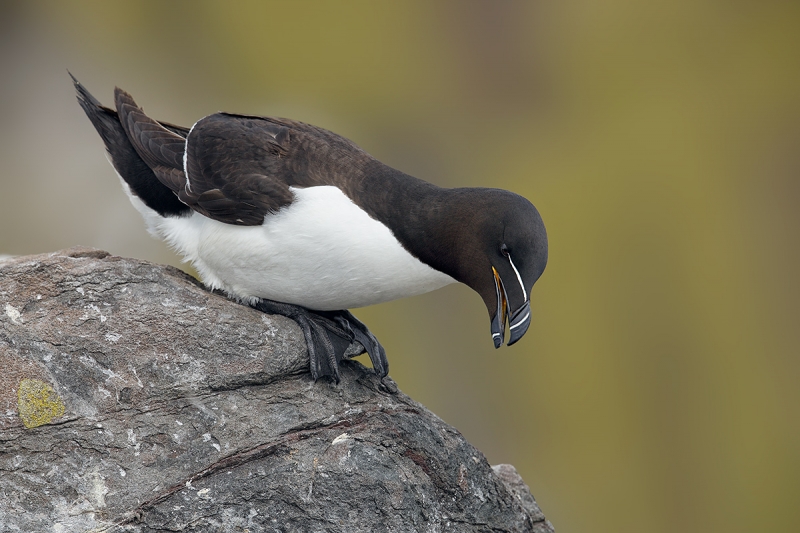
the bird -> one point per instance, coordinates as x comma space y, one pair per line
295, 220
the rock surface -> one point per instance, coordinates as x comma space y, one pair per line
131, 399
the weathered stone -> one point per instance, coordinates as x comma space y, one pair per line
131, 399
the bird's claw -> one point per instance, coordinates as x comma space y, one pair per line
361, 334
328, 335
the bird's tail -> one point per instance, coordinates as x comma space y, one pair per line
129, 165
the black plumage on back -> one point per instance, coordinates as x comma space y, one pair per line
239, 168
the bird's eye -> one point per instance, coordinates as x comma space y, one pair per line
504, 249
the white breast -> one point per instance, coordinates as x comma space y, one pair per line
322, 252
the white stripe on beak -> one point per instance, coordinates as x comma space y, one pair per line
520, 321
519, 278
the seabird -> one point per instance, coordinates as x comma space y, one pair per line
296, 220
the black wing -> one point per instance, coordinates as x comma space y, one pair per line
239, 168
237, 171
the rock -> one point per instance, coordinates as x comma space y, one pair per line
132, 399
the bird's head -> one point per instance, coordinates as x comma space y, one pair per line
506, 255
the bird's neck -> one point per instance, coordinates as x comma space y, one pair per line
429, 221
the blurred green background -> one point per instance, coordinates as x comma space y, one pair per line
658, 388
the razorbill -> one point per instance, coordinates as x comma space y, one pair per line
296, 220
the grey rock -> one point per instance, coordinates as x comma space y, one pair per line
131, 399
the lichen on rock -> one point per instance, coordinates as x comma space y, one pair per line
38, 403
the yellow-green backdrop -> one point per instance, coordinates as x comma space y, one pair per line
658, 388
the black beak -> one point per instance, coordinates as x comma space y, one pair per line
518, 321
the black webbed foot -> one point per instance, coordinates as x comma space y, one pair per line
361, 334
328, 335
